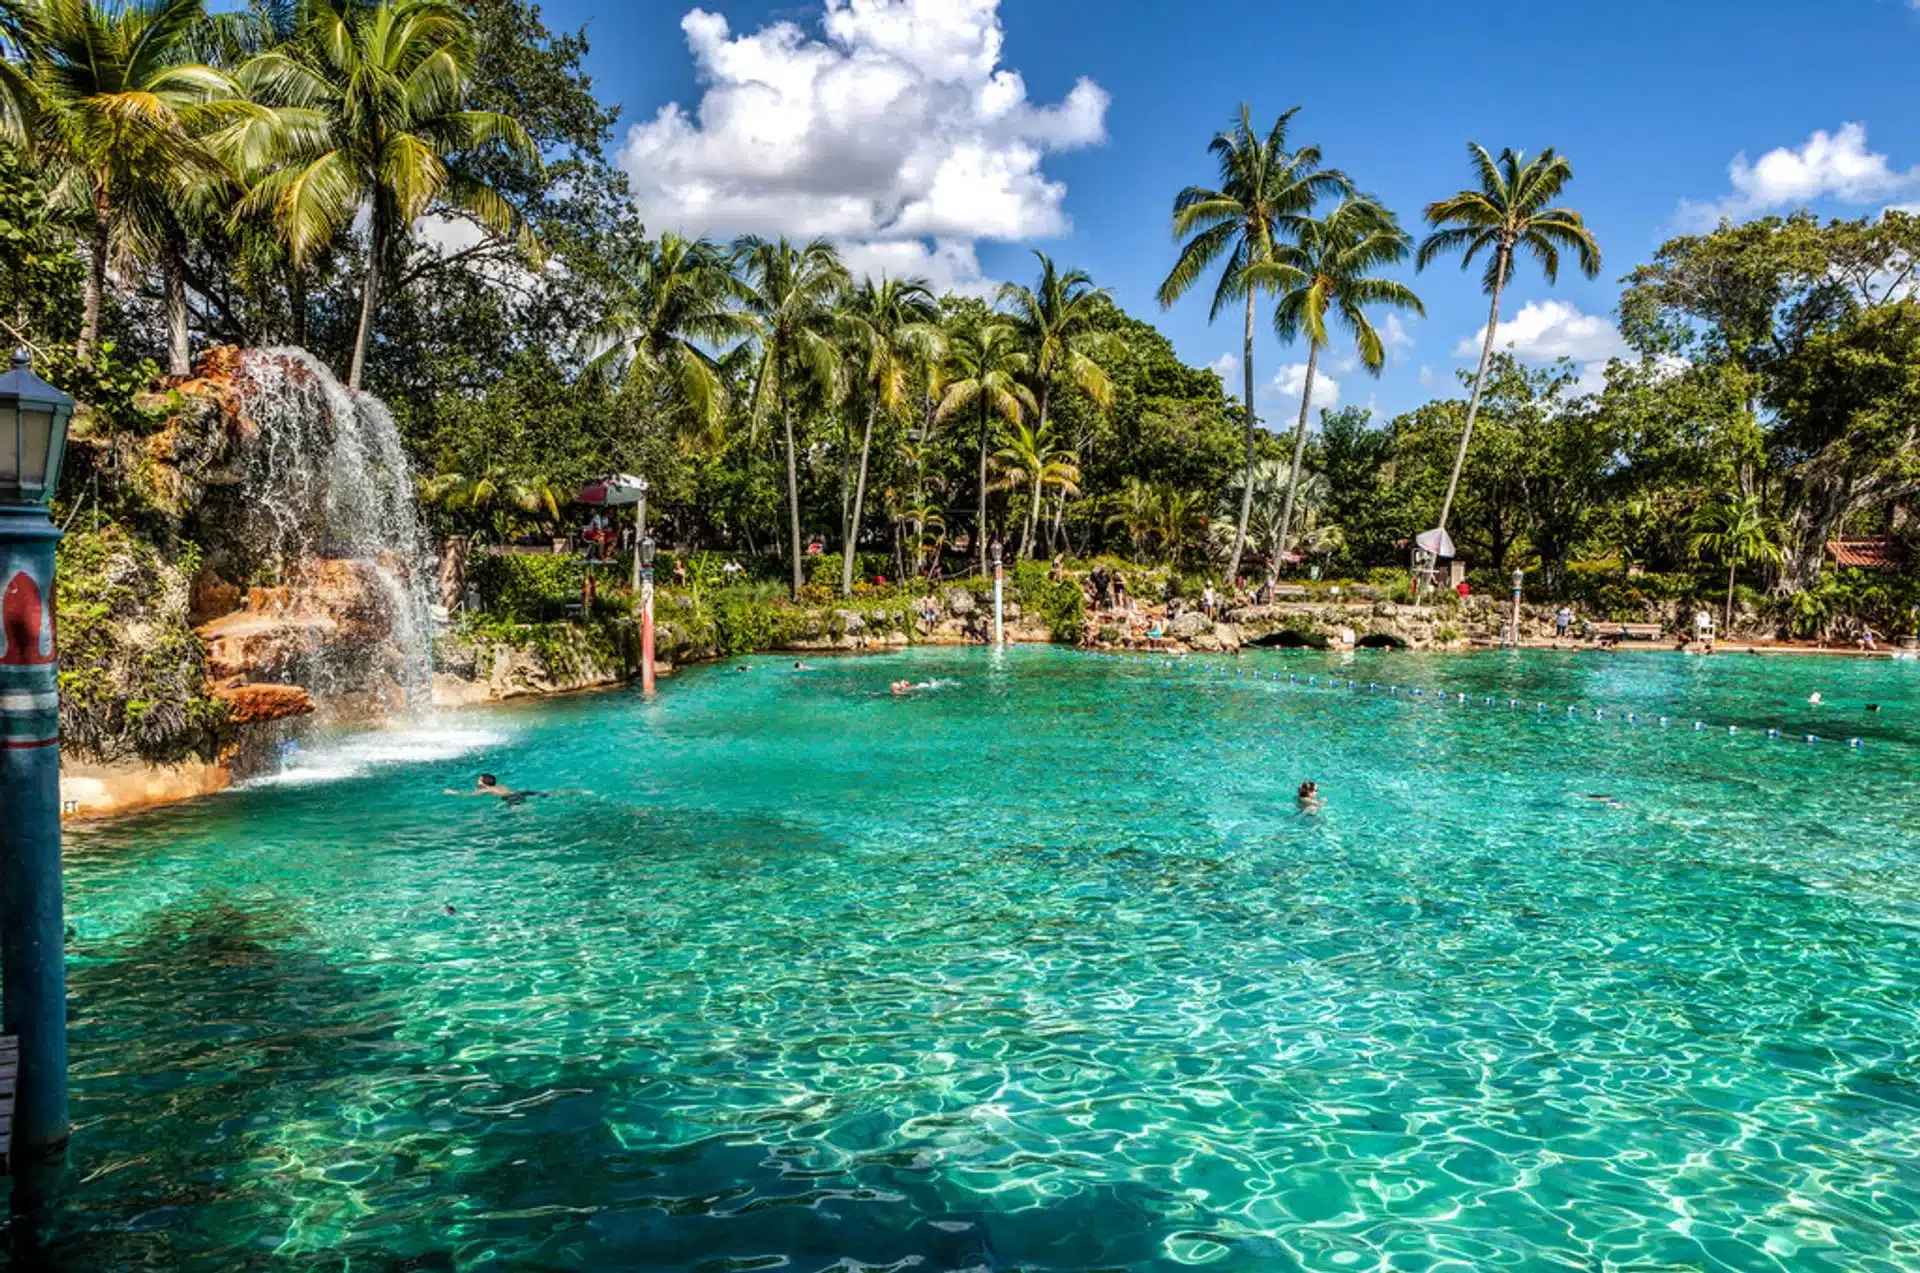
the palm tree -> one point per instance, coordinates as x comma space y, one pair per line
1510, 210
1034, 461
122, 110
790, 292
1138, 513
1734, 530
1176, 515
894, 324
986, 367
678, 301
371, 115
1265, 193
471, 498
1056, 321
1330, 270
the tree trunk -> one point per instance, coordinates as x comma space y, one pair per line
980, 526
859, 500
793, 484
173, 268
297, 305
1031, 545
369, 301
1726, 617
1299, 454
1059, 519
1479, 383
1246, 494
96, 279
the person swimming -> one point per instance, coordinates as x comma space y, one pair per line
1309, 798
488, 785
802, 667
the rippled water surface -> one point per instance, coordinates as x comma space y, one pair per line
1038, 969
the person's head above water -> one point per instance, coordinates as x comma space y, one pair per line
1309, 789
486, 780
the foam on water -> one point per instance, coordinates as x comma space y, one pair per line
362, 755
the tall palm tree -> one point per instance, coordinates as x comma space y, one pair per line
1265, 192
1734, 530
678, 302
121, 108
1511, 209
894, 326
1330, 271
371, 115
1138, 512
1034, 461
987, 368
1056, 321
790, 294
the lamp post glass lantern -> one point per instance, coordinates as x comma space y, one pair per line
33, 977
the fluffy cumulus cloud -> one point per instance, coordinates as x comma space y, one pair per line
1545, 330
1227, 367
1827, 165
891, 128
1394, 334
1426, 373
1287, 386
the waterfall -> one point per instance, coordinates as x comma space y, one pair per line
328, 493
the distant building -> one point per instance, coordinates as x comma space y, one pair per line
1873, 552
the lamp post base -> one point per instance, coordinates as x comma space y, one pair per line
33, 973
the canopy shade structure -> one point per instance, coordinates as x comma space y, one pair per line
613, 490
1434, 541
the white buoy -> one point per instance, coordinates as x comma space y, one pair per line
1853, 742
1663, 721
1698, 725
1733, 729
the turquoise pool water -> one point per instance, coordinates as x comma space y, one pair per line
1038, 969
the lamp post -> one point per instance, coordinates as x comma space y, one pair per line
999, 576
33, 972
1519, 577
645, 558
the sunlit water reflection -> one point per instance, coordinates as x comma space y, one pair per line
1040, 969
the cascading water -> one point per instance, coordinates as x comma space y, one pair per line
328, 491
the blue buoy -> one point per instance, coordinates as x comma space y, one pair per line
1773, 733
1853, 742
1632, 717
1813, 738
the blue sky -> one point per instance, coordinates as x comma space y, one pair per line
900, 132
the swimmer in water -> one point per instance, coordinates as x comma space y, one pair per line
1309, 798
1814, 698
1604, 799
488, 785
803, 667
901, 687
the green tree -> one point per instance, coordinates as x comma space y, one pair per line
1033, 461
1264, 195
1734, 530
1058, 323
1330, 270
121, 111
987, 369
894, 325
791, 293
676, 303
371, 113
1511, 209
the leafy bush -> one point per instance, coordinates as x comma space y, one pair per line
540, 587
1059, 602
132, 681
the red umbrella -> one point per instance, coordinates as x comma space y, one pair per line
613, 489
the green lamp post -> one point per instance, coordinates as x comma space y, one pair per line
33, 973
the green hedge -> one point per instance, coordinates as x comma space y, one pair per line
1060, 602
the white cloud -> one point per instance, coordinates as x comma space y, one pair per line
893, 124
948, 265
1828, 166
1287, 385
1426, 372
1545, 330
1394, 334
1227, 367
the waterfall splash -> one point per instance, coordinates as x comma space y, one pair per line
330, 502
